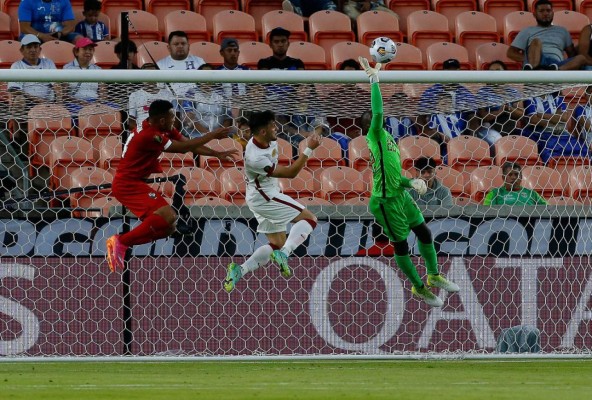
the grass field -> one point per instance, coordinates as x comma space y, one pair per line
340, 379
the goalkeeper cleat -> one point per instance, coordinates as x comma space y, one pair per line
232, 276
281, 259
440, 282
115, 253
426, 294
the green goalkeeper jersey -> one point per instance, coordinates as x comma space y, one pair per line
384, 153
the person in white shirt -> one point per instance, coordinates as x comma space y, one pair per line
272, 209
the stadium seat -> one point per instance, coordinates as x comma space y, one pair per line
573, 21
373, 24
563, 162
438, 52
346, 50
359, 155
413, 147
110, 150
580, 183
161, 8
301, 186
233, 185
488, 52
45, 123
329, 27
105, 56
427, 27
483, 179
464, 201
67, 153
498, 9
514, 22
213, 163
83, 177
312, 55
114, 8
467, 153
151, 52
544, 180
210, 52
357, 201
10, 7
452, 179
258, 8
234, 24
285, 150
58, 51
452, 8
584, 7
339, 184
252, 52
328, 154
313, 201
209, 8
104, 18
77, 5
172, 161
558, 5
473, 29
518, 149
405, 7
143, 26
211, 201
563, 201
5, 23
287, 20
408, 57
200, 183
93, 207
193, 24
96, 121
10, 52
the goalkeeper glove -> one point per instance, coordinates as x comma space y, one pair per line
371, 72
419, 185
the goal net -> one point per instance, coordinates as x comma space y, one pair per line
523, 269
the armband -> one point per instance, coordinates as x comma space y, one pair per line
307, 152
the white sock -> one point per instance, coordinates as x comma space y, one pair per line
297, 236
259, 258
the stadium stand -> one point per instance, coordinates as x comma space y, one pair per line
193, 24
340, 183
558, 5
514, 22
151, 52
200, 183
67, 153
114, 8
287, 20
10, 7
580, 183
258, 8
97, 121
45, 123
498, 9
427, 27
105, 56
301, 186
408, 57
285, 150
209, 8
405, 7
312, 55
252, 52
329, 27
347, 50
437, 53
161, 8
573, 21
110, 150
233, 185
143, 26
213, 163
452, 8
5, 31
359, 155
473, 29
58, 51
210, 201
89, 176
373, 24
466, 153
483, 179
518, 149
413, 147
234, 24
452, 179
210, 52
9, 52
544, 180
488, 52
104, 18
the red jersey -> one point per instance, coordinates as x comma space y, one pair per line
142, 152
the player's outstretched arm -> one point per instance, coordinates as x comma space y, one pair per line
375, 96
193, 145
292, 170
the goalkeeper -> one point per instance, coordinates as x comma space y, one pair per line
392, 205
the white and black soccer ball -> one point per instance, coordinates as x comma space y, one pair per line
383, 50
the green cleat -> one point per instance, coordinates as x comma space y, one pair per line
440, 282
426, 294
232, 276
281, 259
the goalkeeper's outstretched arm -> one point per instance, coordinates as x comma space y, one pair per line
376, 124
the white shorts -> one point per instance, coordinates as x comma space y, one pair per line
274, 215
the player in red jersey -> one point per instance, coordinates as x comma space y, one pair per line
140, 158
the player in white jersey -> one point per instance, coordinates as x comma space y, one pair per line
273, 209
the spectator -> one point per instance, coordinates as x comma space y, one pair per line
400, 126
350, 65
279, 41
584, 48
542, 46
547, 123
91, 27
180, 59
48, 20
583, 117
437, 194
353, 8
229, 50
243, 131
132, 52
306, 8
512, 192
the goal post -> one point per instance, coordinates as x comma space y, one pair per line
524, 270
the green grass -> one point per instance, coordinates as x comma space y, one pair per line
339, 379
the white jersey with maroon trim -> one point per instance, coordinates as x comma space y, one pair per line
260, 162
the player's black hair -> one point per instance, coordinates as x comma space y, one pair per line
206, 66
260, 119
542, 3
131, 47
424, 162
509, 166
158, 108
500, 63
177, 33
350, 62
92, 5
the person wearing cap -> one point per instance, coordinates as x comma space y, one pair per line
229, 50
47, 20
279, 41
353, 8
437, 194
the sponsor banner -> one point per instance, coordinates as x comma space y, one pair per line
332, 305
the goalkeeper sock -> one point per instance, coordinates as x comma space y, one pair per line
428, 252
298, 234
259, 258
152, 228
404, 262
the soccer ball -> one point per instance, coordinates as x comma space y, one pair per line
383, 50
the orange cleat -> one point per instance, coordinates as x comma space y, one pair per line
115, 253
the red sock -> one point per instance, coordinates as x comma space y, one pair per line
152, 228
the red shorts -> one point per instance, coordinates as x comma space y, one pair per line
138, 197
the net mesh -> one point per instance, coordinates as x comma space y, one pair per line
523, 270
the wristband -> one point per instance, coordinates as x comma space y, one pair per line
307, 152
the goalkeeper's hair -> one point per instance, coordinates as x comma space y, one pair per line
259, 120
158, 108
511, 166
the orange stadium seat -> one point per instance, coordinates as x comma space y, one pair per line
514, 22
437, 53
452, 8
10, 52
408, 57
104, 18
83, 177
211, 201
114, 8
498, 9
558, 5
573, 21
301, 186
143, 26
258, 8
339, 184
467, 153
172, 161
488, 52
233, 185
359, 155
234, 24
345, 50
473, 29
151, 52
5, 23
426, 27
58, 51
94, 207
405, 7
105, 56
563, 201
464, 201
413, 147
312, 55
285, 150
210, 52
483, 179
328, 154
10, 7
329, 27
160, 9
96, 121
209, 8
452, 179
77, 5
193, 24
287, 20
110, 150
518, 149
45, 123
200, 183
580, 183
213, 163
357, 201
314, 201
373, 24
545, 181
67, 153
584, 7
252, 52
